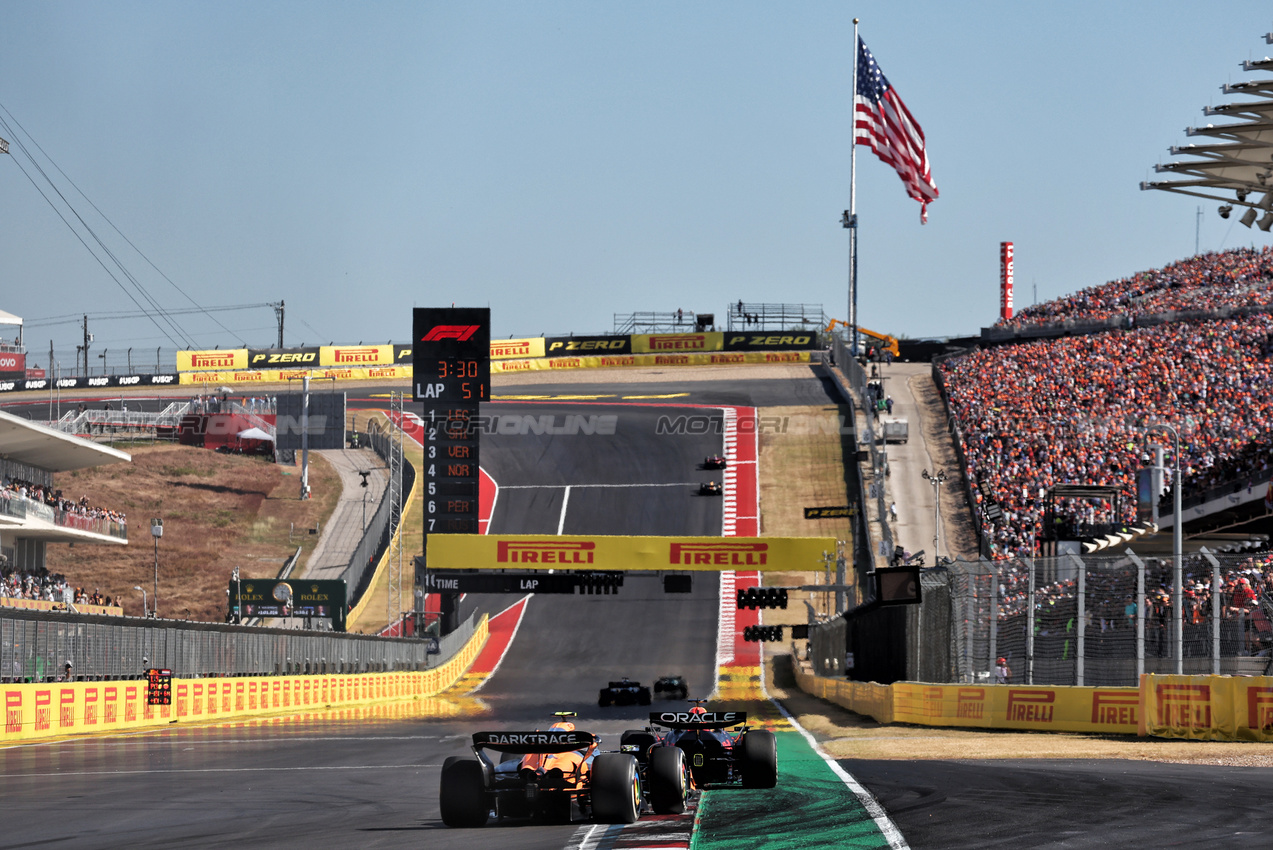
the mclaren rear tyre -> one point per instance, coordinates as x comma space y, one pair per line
616, 788
759, 759
462, 797
669, 781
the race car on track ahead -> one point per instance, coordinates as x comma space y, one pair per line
543, 774
624, 692
717, 750
714, 462
710, 488
673, 687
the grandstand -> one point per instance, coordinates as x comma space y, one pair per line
31, 454
1070, 403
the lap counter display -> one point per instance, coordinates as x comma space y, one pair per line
452, 368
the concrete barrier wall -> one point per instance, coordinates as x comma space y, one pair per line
47, 710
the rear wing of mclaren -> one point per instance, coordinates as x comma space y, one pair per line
550, 741
705, 720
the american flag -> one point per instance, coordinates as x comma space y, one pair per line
883, 123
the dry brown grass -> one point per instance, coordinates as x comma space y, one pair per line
802, 465
219, 511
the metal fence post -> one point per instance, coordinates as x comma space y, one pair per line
1080, 648
1140, 613
994, 611
1029, 624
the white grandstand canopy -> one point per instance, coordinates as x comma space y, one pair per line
45, 448
1235, 164
9, 319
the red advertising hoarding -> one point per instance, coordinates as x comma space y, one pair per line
1005, 280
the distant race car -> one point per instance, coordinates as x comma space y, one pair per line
544, 774
672, 687
624, 692
717, 751
710, 488
714, 462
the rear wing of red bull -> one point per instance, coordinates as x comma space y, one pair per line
548, 741
704, 720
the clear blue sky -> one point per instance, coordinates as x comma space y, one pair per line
564, 162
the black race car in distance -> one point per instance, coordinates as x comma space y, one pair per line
672, 687
715, 462
624, 692
710, 488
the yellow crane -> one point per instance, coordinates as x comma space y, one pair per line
882, 341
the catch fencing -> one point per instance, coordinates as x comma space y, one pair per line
1068, 620
35, 646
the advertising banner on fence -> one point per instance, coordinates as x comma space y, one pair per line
599, 552
509, 349
606, 361
231, 359
96, 381
737, 341
678, 343
282, 358
1208, 708
46, 710
347, 356
580, 345
1060, 709
13, 364
402, 355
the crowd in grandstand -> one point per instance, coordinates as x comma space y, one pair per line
1236, 278
46, 586
1077, 410
81, 514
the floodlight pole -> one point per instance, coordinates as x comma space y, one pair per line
1177, 546
936, 480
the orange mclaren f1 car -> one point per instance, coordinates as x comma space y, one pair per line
545, 774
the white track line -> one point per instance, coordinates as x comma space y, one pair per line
565, 500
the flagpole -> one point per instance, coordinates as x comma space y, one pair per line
851, 218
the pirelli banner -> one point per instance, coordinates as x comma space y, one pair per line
678, 343
737, 341
569, 552
1059, 709
511, 349
1207, 708
574, 346
282, 358
351, 356
229, 360
615, 361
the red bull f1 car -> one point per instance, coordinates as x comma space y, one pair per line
718, 747
710, 488
544, 774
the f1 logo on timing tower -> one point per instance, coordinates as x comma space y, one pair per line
458, 332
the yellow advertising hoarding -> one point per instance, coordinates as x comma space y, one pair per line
1208, 708
607, 361
52, 709
1061, 709
352, 356
686, 343
230, 359
587, 552
509, 349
